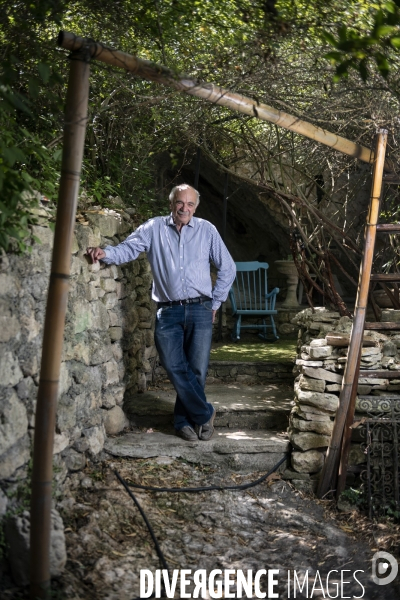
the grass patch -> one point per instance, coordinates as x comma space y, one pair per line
251, 351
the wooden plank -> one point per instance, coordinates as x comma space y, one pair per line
385, 276
382, 325
383, 374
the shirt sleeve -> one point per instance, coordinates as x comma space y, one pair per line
226, 269
139, 241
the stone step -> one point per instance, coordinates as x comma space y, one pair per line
238, 406
234, 450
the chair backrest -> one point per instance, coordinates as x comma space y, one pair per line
250, 286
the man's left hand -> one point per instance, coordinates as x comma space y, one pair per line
214, 312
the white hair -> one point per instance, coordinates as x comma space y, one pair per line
183, 186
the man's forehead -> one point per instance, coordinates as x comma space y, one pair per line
188, 194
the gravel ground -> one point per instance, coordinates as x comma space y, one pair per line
270, 526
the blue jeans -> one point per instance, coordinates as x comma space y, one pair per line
183, 338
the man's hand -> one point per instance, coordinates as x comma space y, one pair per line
214, 312
95, 254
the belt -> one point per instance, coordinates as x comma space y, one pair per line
183, 302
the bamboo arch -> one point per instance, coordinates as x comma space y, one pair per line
82, 51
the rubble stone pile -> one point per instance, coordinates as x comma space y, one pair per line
322, 354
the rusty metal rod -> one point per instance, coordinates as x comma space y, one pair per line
74, 136
350, 377
215, 94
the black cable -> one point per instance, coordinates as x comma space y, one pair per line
156, 544
199, 489
210, 488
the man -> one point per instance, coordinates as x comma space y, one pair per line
180, 248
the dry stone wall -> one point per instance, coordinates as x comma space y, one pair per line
108, 348
318, 376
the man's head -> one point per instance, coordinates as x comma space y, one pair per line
184, 200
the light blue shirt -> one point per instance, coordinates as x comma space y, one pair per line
180, 261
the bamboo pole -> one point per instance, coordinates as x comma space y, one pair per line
350, 376
74, 136
215, 94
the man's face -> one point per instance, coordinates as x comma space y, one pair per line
183, 206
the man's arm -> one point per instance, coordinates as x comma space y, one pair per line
139, 241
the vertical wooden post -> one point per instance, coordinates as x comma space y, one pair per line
350, 377
74, 136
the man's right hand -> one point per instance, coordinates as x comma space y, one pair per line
95, 254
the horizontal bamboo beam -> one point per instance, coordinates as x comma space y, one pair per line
215, 94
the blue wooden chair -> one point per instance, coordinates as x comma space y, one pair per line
249, 297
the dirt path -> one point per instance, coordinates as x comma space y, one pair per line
270, 526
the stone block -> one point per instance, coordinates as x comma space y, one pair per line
313, 385
82, 315
17, 534
75, 461
13, 420
100, 318
115, 420
319, 352
15, 457
389, 349
318, 343
307, 462
333, 387
309, 440
309, 363
115, 333
391, 315
328, 402
61, 441
311, 413
95, 437
324, 427
324, 374
10, 371
110, 300
109, 285
9, 327
111, 376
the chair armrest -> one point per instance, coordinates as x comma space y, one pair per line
274, 292
272, 297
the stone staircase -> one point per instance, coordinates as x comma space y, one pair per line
250, 434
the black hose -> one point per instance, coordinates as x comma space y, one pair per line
153, 537
210, 488
199, 489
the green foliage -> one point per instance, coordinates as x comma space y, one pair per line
376, 40
355, 497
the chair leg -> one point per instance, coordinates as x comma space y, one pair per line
274, 328
237, 327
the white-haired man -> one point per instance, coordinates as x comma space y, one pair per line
180, 248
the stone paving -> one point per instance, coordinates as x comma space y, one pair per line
271, 526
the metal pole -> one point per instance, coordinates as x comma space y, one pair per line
74, 136
216, 95
350, 377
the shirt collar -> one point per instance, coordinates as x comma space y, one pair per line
170, 221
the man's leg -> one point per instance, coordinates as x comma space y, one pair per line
197, 343
191, 406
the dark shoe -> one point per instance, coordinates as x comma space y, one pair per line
206, 431
187, 433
